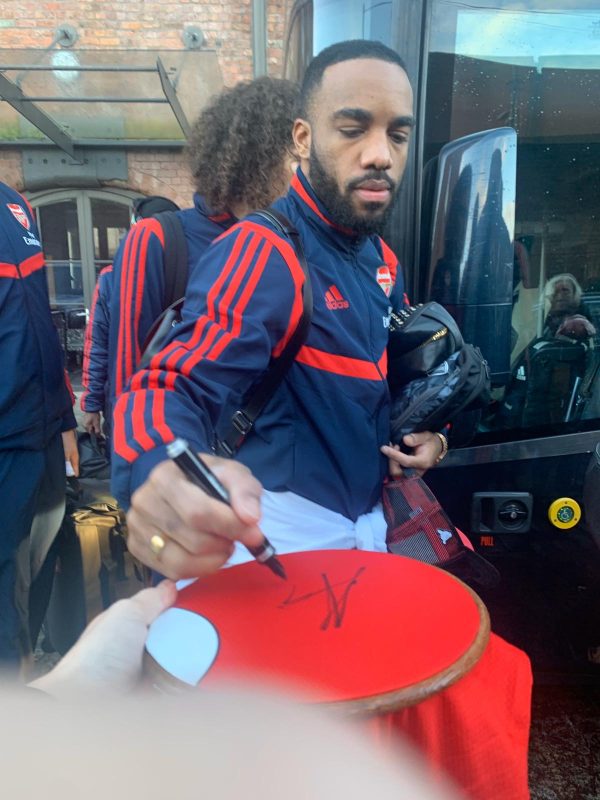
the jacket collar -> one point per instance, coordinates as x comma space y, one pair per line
224, 219
311, 207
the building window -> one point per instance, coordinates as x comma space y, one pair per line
80, 232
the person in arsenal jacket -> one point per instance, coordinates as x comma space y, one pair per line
36, 418
320, 448
240, 154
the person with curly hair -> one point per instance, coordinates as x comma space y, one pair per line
241, 156
241, 148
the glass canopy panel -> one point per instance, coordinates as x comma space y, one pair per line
131, 103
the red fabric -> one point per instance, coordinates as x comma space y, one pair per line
339, 625
476, 731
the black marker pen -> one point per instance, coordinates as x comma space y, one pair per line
198, 473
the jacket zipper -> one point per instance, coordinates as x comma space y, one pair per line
359, 280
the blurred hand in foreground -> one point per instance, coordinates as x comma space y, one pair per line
108, 656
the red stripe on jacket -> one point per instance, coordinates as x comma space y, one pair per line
140, 435
239, 308
178, 349
120, 439
132, 285
236, 280
121, 369
158, 418
343, 365
228, 267
152, 226
290, 257
296, 185
390, 259
24, 269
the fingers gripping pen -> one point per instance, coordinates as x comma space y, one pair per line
199, 474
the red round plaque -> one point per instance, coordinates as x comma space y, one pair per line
347, 625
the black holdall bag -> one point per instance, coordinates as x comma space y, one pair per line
433, 375
459, 384
421, 337
93, 458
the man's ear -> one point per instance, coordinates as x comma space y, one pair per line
302, 136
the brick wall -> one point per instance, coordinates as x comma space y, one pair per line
148, 24
11, 171
161, 172
145, 24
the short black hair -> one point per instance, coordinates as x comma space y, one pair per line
336, 53
145, 207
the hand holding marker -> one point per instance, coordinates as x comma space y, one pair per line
198, 473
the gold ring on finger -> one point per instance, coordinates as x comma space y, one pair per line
157, 544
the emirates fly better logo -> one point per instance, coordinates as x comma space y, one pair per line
19, 214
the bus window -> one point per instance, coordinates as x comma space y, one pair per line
536, 70
336, 20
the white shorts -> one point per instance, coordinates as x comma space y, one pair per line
292, 524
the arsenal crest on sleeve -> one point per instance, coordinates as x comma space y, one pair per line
19, 214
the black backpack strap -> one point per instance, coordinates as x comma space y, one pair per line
176, 264
176, 257
242, 421
154, 341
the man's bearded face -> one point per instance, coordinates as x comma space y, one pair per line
371, 218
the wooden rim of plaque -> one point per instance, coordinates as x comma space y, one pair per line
417, 692
164, 682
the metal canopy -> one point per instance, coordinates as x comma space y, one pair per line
10, 92
103, 98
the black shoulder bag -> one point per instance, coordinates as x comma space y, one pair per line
242, 421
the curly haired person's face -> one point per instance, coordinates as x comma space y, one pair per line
354, 148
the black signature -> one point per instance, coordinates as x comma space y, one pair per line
336, 606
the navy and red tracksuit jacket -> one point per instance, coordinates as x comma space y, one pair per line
137, 286
34, 400
94, 376
320, 435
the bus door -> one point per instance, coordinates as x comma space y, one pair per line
519, 486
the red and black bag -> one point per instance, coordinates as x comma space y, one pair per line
418, 527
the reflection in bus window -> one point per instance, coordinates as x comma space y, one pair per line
298, 47
547, 374
537, 70
336, 20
